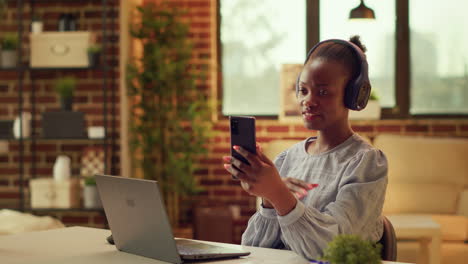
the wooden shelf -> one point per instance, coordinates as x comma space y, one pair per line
28, 68
66, 140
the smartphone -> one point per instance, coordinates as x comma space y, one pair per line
242, 134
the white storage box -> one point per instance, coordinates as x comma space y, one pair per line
60, 49
49, 193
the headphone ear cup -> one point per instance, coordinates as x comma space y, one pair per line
349, 96
363, 95
297, 84
357, 95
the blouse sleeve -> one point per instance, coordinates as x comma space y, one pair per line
263, 229
356, 210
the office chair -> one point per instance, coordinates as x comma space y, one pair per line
388, 241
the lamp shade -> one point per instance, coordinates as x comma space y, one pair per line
362, 11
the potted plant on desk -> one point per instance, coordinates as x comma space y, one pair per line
9, 47
351, 249
65, 88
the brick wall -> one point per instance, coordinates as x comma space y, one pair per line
219, 188
88, 99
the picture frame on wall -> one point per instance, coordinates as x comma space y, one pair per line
289, 108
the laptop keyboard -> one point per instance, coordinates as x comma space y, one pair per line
188, 247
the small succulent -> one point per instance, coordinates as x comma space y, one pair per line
373, 95
94, 49
36, 18
352, 249
10, 42
89, 181
65, 86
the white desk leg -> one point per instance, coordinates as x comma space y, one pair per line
424, 256
434, 250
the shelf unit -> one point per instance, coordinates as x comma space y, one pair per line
28, 68
108, 113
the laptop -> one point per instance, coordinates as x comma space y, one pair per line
140, 226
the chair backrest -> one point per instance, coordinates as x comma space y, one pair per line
388, 241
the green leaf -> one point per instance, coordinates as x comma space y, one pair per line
352, 249
170, 122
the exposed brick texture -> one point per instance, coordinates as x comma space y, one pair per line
38, 89
216, 182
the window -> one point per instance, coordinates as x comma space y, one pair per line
439, 57
417, 58
257, 37
377, 35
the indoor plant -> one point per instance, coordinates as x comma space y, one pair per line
170, 117
94, 53
91, 197
9, 47
65, 88
3, 7
352, 249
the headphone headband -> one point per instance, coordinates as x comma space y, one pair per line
357, 91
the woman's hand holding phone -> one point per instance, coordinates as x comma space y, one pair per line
260, 178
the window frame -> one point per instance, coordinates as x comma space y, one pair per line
401, 110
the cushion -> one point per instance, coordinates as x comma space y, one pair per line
410, 198
414, 159
275, 147
463, 203
12, 222
454, 253
451, 252
453, 227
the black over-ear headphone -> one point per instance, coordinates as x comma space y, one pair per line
357, 91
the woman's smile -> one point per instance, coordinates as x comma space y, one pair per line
309, 116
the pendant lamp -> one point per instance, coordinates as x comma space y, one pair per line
361, 11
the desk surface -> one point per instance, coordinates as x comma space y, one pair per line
88, 245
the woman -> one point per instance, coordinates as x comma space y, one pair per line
326, 185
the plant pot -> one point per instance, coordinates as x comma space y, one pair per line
371, 112
93, 59
36, 27
9, 58
91, 197
66, 103
22, 126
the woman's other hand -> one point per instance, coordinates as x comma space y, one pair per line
298, 188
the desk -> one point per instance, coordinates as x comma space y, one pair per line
88, 245
422, 229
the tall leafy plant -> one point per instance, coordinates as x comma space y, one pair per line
170, 117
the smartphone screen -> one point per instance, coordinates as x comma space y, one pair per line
242, 134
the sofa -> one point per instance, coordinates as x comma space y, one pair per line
428, 176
